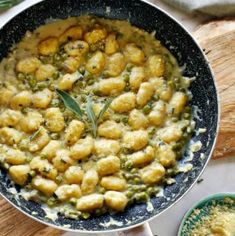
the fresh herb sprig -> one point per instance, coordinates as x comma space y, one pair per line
72, 105
5, 4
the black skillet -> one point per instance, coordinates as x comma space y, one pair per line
174, 37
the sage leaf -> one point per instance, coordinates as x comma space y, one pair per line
91, 116
70, 102
104, 109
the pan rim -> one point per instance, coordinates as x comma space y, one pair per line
123, 228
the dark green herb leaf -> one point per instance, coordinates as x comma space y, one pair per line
91, 116
4, 4
70, 102
104, 109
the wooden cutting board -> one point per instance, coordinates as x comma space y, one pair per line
218, 41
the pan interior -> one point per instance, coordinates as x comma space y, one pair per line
188, 55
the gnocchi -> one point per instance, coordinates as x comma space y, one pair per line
113, 183
74, 132
110, 129
110, 86
103, 147
115, 200
135, 140
124, 103
89, 181
54, 119
108, 165
94, 115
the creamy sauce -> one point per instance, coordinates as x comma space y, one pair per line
142, 134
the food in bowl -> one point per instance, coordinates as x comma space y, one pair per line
94, 115
214, 215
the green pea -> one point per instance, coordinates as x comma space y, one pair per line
42, 85
129, 193
85, 215
152, 190
136, 180
51, 202
135, 188
141, 197
187, 116
91, 81
146, 109
117, 119
128, 165
55, 102
155, 97
129, 67
106, 74
177, 146
170, 83
142, 187
73, 201
126, 78
64, 56
178, 155
56, 75
58, 179
125, 119
21, 76
32, 173
134, 171
82, 70
171, 172
6, 166
152, 132
187, 109
97, 92
32, 82
127, 87
21, 86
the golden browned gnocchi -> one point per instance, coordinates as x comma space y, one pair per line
10, 117
31, 122
74, 132
108, 165
110, 86
94, 118
45, 72
54, 119
116, 64
82, 148
89, 181
20, 100
48, 46
110, 129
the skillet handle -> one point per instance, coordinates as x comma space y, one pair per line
142, 230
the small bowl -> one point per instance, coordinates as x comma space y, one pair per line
187, 224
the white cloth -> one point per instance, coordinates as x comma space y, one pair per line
211, 7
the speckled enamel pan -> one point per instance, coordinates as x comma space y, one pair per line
204, 205
181, 44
